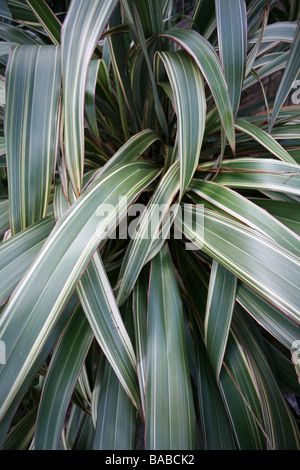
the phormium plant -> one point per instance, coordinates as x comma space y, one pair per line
149, 220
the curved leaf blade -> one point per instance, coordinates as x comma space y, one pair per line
169, 403
216, 427
264, 139
291, 72
31, 313
32, 96
47, 19
268, 269
232, 36
147, 231
219, 310
205, 57
248, 212
190, 104
101, 309
116, 415
81, 30
260, 174
18, 252
64, 368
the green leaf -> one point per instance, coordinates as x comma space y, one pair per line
62, 374
268, 269
283, 328
116, 417
291, 72
265, 139
20, 436
259, 174
130, 151
219, 309
284, 211
279, 31
232, 35
16, 35
21, 12
147, 231
142, 42
31, 313
169, 404
80, 33
241, 397
119, 48
287, 377
37, 365
18, 252
101, 309
32, 94
203, 18
47, 19
4, 216
4, 10
140, 306
190, 104
216, 428
280, 424
90, 89
255, 49
247, 212
205, 57
150, 14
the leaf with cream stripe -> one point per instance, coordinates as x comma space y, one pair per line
81, 30
255, 259
32, 312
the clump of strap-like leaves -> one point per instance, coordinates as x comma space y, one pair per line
187, 338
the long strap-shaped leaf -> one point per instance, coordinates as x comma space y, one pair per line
264, 139
280, 424
291, 72
190, 103
142, 42
47, 18
32, 92
265, 267
116, 417
241, 397
62, 374
15, 35
206, 59
81, 30
232, 35
130, 151
219, 310
4, 216
19, 251
283, 328
147, 231
37, 364
169, 403
259, 174
39, 299
100, 306
276, 32
248, 212
254, 51
140, 307
285, 211
216, 429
